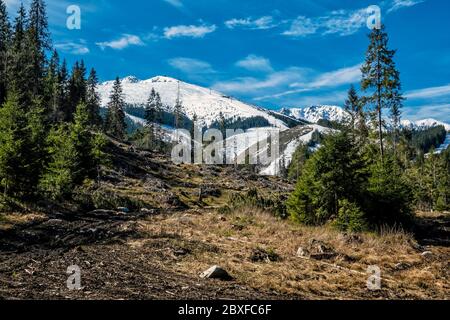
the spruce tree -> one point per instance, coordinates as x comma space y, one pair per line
62, 95
74, 155
152, 114
380, 79
14, 143
39, 43
5, 37
115, 118
19, 67
93, 100
351, 106
334, 173
51, 84
77, 89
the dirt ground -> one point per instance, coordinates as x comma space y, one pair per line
136, 256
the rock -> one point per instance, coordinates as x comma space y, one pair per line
216, 272
52, 223
260, 255
123, 209
402, 266
302, 253
148, 211
427, 254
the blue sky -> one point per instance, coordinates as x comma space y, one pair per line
272, 53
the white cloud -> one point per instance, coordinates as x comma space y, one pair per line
344, 23
439, 112
262, 23
399, 4
255, 63
125, 41
188, 31
332, 98
302, 26
175, 3
12, 3
191, 66
73, 47
272, 81
330, 79
340, 22
428, 93
334, 78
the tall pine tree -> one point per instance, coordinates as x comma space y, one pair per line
39, 43
93, 100
5, 37
380, 78
115, 118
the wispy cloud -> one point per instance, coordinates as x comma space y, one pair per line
176, 3
191, 31
330, 98
119, 44
428, 93
330, 79
12, 3
191, 66
439, 111
262, 23
399, 4
255, 63
272, 81
341, 22
75, 48
334, 78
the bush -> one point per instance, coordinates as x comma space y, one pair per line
275, 204
335, 172
389, 197
350, 217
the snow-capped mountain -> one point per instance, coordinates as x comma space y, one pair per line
315, 113
207, 104
334, 113
424, 124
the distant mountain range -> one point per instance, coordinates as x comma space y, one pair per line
334, 113
209, 104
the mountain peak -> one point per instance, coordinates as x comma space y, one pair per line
161, 79
130, 79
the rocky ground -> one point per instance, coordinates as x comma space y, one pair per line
173, 230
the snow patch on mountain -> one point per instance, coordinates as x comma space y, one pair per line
424, 124
315, 113
335, 113
288, 152
207, 104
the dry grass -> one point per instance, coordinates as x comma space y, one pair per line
230, 240
10, 220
